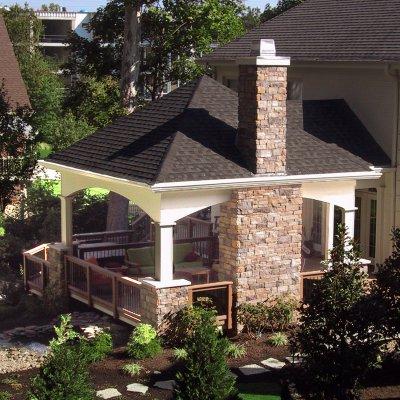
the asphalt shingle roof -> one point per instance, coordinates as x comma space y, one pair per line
327, 30
190, 134
10, 74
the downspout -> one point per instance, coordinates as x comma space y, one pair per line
394, 73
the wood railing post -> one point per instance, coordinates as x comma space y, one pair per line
89, 284
301, 288
42, 275
229, 306
25, 273
115, 297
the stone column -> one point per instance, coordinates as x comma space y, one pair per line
158, 300
56, 294
66, 221
260, 242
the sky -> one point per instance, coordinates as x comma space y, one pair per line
91, 5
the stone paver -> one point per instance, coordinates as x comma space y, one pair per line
273, 363
109, 393
37, 347
252, 369
166, 385
137, 388
297, 359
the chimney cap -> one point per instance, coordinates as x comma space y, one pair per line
263, 52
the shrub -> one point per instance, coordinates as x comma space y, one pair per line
5, 395
131, 369
387, 292
335, 337
64, 375
278, 339
272, 314
205, 374
234, 350
98, 347
180, 354
143, 342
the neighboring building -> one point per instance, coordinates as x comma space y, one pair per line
310, 139
57, 26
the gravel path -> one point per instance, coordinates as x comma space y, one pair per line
16, 358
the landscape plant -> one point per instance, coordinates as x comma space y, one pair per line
143, 342
336, 338
64, 375
234, 350
98, 347
278, 339
131, 369
205, 374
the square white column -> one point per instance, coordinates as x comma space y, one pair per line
66, 221
164, 252
330, 228
349, 218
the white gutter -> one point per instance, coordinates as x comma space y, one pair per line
104, 177
375, 173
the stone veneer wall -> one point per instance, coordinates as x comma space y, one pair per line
157, 303
261, 136
260, 242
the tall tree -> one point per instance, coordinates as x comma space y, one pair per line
17, 149
282, 6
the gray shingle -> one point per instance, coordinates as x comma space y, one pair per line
190, 134
328, 30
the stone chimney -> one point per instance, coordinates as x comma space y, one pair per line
262, 90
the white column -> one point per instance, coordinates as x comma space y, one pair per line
66, 221
349, 218
164, 252
330, 227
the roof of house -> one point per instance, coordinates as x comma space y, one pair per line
327, 30
10, 73
190, 133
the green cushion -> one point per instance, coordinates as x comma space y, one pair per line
143, 256
143, 271
188, 264
181, 251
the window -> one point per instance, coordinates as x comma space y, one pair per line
316, 232
372, 229
357, 221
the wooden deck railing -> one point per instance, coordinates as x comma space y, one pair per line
204, 246
107, 291
220, 293
36, 269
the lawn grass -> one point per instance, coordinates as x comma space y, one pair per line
259, 391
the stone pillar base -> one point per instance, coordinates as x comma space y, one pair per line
159, 299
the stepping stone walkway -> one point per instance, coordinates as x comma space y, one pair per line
273, 363
166, 385
37, 348
297, 359
109, 393
252, 369
137, 388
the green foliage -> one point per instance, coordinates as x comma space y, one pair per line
99, 347
387, 292
234, 350
251, 18
335, 337
180, 353
64, 375
5, 395
95, 100
205, 374
23, 27
176, 33
131, 369
278, 339
143, 342
273, 314
282, 6
18, 144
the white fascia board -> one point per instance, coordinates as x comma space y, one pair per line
265, 181
63, 168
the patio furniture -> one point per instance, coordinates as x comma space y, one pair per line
194, 274
140, 261
185, 257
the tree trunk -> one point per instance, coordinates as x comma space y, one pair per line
117, 215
